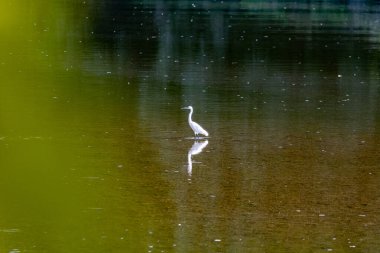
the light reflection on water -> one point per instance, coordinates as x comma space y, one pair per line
95, 150
195, 149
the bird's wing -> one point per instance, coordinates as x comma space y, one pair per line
198, 129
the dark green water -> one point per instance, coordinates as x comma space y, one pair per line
97, 156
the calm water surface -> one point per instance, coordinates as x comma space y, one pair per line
97, 156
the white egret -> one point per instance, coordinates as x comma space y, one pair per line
197, 129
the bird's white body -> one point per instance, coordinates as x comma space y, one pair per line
197, 129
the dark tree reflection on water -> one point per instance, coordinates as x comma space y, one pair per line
267, 53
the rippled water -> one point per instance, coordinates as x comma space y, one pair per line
96, 154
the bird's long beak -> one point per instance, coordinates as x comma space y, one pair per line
184, 108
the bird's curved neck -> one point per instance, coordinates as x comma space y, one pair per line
191, 113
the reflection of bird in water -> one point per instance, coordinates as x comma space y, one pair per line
194, 125
194, 150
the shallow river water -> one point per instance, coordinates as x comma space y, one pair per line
96, 154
